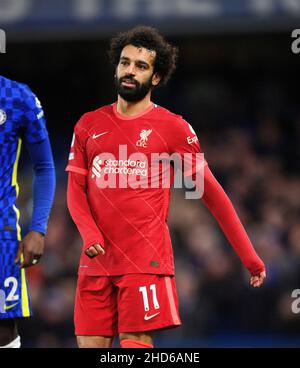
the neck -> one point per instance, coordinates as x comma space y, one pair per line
133, 108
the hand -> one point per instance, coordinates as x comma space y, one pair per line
94, 251
257, 281
32, 248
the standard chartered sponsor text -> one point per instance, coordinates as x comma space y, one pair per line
155, 170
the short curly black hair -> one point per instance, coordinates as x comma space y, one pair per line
151, 39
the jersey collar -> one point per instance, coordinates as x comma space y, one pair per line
122, 117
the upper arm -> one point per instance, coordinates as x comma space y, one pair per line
77, 162
33, 119
77, 180
184, 141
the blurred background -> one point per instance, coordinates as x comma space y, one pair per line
237, 83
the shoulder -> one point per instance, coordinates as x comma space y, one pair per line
88, 119
172, 121
164, 113
28, 99
5, 82
101, 111
20, 96
13, 88
20, 87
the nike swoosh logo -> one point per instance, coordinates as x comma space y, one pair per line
7, 307
98, 135
146, 317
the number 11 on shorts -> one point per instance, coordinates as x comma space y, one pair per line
143, 290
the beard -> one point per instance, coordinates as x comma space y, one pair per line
133, 94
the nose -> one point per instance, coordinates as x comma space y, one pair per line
131, 69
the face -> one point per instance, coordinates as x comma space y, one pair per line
135, 75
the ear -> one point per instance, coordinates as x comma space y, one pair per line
156, 78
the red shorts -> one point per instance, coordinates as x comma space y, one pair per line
109, 305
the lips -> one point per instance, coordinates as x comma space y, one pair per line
127, 82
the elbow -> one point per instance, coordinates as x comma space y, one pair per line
76, 188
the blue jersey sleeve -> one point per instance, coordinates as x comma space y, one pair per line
43, 184
34, 124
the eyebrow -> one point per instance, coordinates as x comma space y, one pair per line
137, 61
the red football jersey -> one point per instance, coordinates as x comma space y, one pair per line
127, 184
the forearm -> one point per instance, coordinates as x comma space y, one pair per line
43, 184
80, 211
43, 195
222, 209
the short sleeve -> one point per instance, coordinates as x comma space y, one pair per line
185, 143
33, 122
77, 158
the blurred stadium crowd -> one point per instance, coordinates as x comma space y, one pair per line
244, 109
